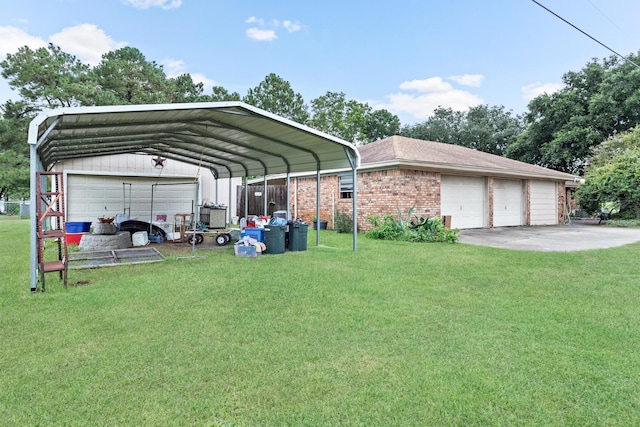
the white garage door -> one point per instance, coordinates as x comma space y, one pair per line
507, 203
90, 197
544, 203
463, 198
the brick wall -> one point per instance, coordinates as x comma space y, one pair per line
387, 192
379, 193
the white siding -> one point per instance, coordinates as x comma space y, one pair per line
92, 196
464, 199
507, 203
544, 203
126, 167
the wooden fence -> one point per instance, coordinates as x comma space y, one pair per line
276, 197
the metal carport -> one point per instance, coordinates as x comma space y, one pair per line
231, 139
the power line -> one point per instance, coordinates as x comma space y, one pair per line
586, 34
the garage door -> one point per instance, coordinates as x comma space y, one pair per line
90, 197
507, 203
464, 199
544, 203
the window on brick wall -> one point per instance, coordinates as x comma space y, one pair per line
346, 186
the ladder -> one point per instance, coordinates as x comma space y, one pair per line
51, 225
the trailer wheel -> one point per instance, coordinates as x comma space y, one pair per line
221, 240
199, 239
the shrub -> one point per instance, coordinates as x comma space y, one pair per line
630, 223
417, 230
343, 222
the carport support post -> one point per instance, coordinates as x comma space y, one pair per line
246, 198
229, 209
35, 167
355, 209
289, 217
318, 206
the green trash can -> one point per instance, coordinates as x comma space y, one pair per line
274, 239
298, 236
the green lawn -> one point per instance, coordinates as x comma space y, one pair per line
394, 334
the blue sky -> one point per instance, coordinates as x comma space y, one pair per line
408, 56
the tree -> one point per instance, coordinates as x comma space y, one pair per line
124, 76
219, 93
275, 95
183, 89
351, 120
14, 150
612, 178
601, 99
482, 128
47, 77
443, 126
380, 124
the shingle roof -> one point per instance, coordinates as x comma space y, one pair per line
404, 152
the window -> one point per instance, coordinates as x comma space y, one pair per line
346, 186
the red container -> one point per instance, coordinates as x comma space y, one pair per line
74, 238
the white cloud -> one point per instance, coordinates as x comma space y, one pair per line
14, 38
176, 67
86, 41
146, 4
536, 89
431, 85
254, 20
261, 35
292, 27
206, 81
474, 80
431, 93
268, 31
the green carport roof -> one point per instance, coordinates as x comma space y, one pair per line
232, 139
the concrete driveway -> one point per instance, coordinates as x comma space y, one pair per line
578, 236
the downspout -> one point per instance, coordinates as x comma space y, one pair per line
295, 197
354, 160
264, 198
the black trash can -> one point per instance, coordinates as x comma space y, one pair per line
298, 236
274, 239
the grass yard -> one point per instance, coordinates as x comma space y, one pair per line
394, 334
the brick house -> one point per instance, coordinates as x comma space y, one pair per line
477, 189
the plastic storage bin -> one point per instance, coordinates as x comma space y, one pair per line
280, 214
298, 236
245, 251
140, 238
274, 239
78, 227
255, 233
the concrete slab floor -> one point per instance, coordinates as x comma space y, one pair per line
577, 236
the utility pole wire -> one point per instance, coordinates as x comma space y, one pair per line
592, 38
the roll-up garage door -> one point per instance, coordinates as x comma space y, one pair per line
507, 203
543, 203
463, 198
90, 197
